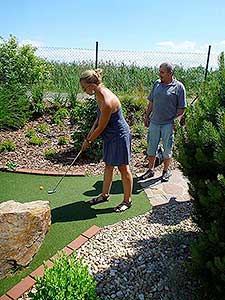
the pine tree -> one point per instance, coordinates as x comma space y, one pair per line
201, 153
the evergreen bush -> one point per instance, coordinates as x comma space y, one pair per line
201, 153
14, 107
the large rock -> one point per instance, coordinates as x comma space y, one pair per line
22, 230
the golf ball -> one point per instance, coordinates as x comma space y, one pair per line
41, 187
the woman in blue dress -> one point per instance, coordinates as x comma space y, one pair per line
114, 130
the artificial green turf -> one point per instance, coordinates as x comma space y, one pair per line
71, 215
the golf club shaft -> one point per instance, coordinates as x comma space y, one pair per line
67, 170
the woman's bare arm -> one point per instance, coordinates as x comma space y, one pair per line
102, 122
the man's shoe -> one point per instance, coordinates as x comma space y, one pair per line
166, 176
149, 174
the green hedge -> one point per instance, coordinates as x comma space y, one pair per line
201, 153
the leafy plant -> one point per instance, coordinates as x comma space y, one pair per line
68, 279
43, 128
37, 94
33, 138
36, 140
19, 65
59, 101
139, 146
30, 133
139, 130
62, 140
11, 165
59, 116
50, 153
7, 146
134, 108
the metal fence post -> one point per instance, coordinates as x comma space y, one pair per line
96, 55
207, 63
206, 72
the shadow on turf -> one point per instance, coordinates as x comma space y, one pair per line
77, 211
82, 210
117, 188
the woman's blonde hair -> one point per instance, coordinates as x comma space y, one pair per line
92, 76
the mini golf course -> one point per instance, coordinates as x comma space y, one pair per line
71, 214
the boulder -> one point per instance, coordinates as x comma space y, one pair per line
23, 227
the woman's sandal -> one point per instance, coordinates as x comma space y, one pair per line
99, 199
123, 206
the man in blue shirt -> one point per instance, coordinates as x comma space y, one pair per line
167, 101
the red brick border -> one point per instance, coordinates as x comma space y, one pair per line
27, 283
42, 172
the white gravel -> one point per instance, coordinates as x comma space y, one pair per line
143, 257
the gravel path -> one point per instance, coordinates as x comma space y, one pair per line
143, 257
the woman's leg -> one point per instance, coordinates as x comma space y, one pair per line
127, 180
108, 177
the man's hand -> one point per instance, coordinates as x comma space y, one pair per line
146, 121
176, 124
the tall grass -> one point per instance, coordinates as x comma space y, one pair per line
121, 78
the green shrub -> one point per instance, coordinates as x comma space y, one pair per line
84, 121
139, 130
37, 94
33, 138
201, 154
21, 72
133, 108
59, 116
62, 140
14, 107
139, 146
59, 101
19, 65
30, 133
43, 128
7, 146
11, 165
50, 153
36, 140
77, 111
68, 279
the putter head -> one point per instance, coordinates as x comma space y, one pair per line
51, 192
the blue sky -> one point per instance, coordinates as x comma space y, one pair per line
181, 26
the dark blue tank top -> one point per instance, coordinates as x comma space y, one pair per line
117, 127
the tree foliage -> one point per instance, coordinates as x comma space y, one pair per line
201, 153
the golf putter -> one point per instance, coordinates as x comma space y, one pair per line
58, 183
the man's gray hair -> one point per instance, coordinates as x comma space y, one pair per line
167, 66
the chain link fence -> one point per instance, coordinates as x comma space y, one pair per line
118, 57
125, 72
